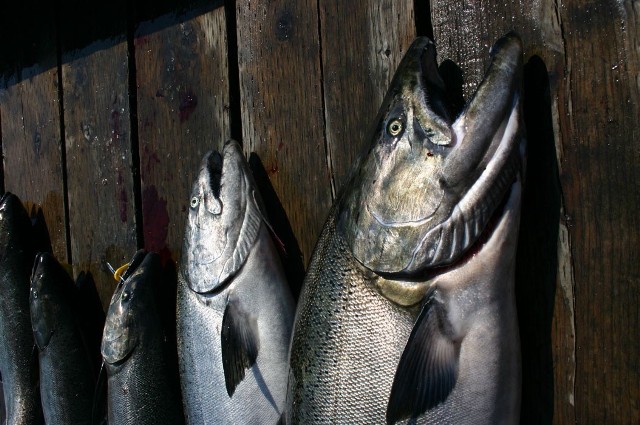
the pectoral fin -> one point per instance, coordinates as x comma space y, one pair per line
428, 367
240, 344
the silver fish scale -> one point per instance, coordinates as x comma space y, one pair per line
348, 340
329, 379
139, 391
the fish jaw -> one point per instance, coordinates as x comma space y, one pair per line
428, 186
464, 345
224, 219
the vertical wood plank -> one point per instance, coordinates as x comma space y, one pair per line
95, 75
362, 44
600, 171
183, 102
31, 148
281, 104
30, 115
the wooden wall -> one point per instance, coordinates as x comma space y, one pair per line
106, 111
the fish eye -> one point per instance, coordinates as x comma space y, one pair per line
126, 295
35, 294
194, 202
394, 128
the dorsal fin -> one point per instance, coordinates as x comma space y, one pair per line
428, 367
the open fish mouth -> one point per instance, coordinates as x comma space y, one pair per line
215, 162
429, 185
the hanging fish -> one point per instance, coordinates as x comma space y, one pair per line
234, 308
18, 353
67, 375
407, 313
140, 388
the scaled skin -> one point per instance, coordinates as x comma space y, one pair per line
67, 379
413, 225
140, 388
18, 356
253, 278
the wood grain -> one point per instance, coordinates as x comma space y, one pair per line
356, 74
99, 165
282, 110
183, 103
600, 170
31, 147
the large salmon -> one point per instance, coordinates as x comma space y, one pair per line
407, 312
234, 309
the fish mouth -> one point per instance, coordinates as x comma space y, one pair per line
484, 161
215, 163
121, 330
223, 221
134, 263
504, 206
422, 198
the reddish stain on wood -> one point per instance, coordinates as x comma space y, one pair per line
149, 160
155, 219
123, 199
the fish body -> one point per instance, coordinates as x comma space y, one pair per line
140, 388
234, 307
407, 313
67, 375
18, 355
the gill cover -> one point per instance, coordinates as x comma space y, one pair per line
427, 186
224, 219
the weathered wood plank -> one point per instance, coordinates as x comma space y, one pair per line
31, 148
99, 163
600, 171
363, 44
281, 104
183, 102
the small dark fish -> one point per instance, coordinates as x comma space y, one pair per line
234, 307
67, 375
18, 354
140, 389
407, 313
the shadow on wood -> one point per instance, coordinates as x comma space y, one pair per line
536, 263
32, 31
291, 255
42, 240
